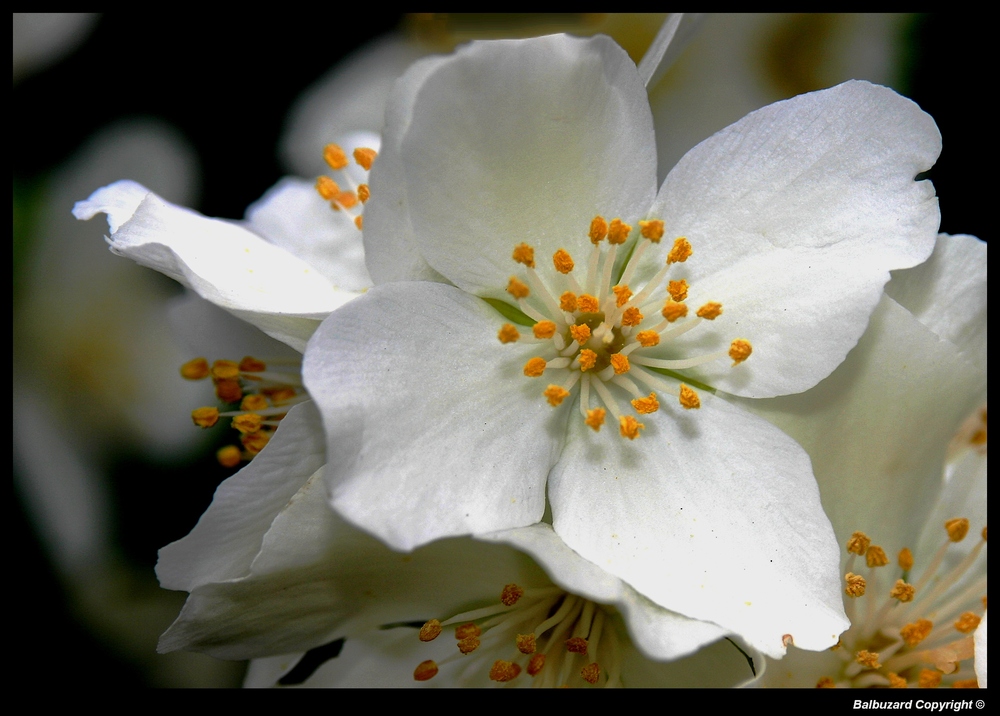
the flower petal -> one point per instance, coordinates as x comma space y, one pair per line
713, 515
228, 536
223, 262
432, 429
980, 637
521, 141
797, 213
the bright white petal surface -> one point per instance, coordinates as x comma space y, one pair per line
948, 293
713, 514
222, 261
657, 632
522, 141
797, 213
228, 536
980, 638
878, 428
432, 429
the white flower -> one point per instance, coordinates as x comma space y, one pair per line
273, 571
881, 434
796, 214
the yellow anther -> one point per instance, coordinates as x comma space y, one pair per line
365, 156
253, 443
508, 333
591, 673
225, 370
916, 632
622, 295
430, 631
524, 254
562, 261
511, 594
855, 585
595, 419
555, 394
896, 681
652, 230
632, 316
205, 417
984, 534
618, 232
334, 156
587, 303
957, 529
525, 643
567, 302
364, 193
680, 252
965, 684
544, 329
678, 290
279, 395
248, 423
689, 399
327, 188
905, 559
517, 289
346, 199
195, 369
464, 631
902, 591
740, 350
425, 670
858, 543
253, 402
598, 230
876, 557
644, 406
868, 658
534, 367
629, 427
580, 333
504, 671
967, 623
229, 456
359, 222
587, 360
468, 645
648, 339
710, 311
826, 683
576, 645
249, 364
228, 390
535, 664
620, 363
929, 679
672, 310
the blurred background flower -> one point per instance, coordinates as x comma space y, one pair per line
212, 113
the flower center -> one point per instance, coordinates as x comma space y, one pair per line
557, 638
601, 333
905, 634
352, 199
264, 398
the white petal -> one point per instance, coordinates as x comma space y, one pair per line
797, 213
948, 293
295, 217
877, 429
225, 263
523, 141
713, 514
228, 536
432, 429
980, 638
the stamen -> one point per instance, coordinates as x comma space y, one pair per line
678, 290
619, 363
430, 631
598, 230
672, 310
631, 317
365, 156
504, 671
544, 329
534, 367
595, 418
680, 252
580, 333
526, 644
535, 664
858, 543
896, 681
916, 632
868, 658
327, 188
648, 339
248, 423
710, 311
957, 529
630, 427
740, 350
468, 644
364, 193
568, 302
644, 406
905, 559
517, 289
425, 670
196, 369
229, 456
588, 304
334, 156
225, 370
228, 391
618, 232
587, 359
826, 683
652, 230
591, 673
205, 417
622, 295
253, 403
562, 261
359, 222
253, 443
249, 364
555, 394
902, 591
524, 254
689, 399
967, 623
876, 557
464, 631
508, 333
576, 645
929, 679
855, 585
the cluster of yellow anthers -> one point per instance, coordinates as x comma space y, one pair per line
557, 638
598, 333
347, 200
264, 398
911, 634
